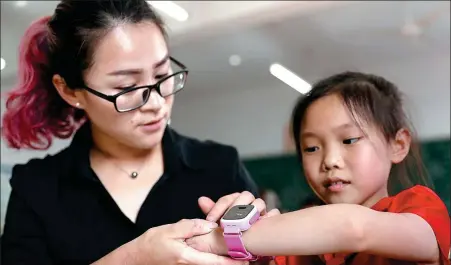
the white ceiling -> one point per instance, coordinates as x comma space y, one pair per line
301, 35
314, 44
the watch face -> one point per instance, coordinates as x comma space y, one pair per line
238, 212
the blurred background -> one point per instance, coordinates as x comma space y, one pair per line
233, 97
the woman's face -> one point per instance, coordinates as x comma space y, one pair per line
129, 55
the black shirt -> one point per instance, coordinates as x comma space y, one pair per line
60, 213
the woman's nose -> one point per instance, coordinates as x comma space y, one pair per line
155, 101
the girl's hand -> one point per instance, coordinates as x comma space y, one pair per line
209, 243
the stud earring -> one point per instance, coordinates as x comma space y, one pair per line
77, 105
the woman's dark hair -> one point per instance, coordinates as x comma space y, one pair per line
373, 100
61, 44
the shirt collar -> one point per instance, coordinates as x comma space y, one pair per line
175, 153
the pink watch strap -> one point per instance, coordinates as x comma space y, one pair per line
236, 247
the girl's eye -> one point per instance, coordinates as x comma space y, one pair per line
351, 140
311, 149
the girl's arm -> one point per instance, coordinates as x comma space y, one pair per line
344, 228
414, 227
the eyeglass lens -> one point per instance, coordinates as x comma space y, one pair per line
139, 97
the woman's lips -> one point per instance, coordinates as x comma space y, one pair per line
153, 126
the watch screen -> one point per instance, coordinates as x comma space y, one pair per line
238, 212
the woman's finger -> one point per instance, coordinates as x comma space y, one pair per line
271, 213
206, 204
188, 228
245, 198
260, 205
221, 207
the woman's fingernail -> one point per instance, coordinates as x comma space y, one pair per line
212, 225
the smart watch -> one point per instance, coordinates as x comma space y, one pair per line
238, 219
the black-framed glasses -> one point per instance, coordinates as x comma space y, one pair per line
135, 97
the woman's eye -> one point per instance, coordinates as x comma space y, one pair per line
161, 76
311, 149
351, 140
125, 87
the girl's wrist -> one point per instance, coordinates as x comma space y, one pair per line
221, 246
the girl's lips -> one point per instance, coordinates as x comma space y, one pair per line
337, 186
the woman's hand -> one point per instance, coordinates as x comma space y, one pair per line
215, 211
166, 245
210, 243
214, 242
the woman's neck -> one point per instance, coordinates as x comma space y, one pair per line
111, 148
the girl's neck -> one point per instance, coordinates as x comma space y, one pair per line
376, 197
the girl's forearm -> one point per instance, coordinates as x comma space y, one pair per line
312, 231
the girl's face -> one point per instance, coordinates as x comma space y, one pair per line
342, 163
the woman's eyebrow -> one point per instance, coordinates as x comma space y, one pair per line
137, 71
162, 61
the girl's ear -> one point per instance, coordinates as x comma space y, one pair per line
400, 146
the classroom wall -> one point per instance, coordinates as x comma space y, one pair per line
253, 119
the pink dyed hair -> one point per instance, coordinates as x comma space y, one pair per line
35, 112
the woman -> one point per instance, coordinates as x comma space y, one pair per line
117, 194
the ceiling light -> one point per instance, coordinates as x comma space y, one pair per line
289, 78
171, 9
2, 64
235, 60
21, 3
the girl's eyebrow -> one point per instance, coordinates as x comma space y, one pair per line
344, 126
336, 128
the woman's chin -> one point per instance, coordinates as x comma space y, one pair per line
148, 141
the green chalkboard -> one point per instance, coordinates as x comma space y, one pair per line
283, 174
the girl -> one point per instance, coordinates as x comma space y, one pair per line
352, 137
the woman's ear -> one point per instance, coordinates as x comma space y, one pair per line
400, 146
71, 96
